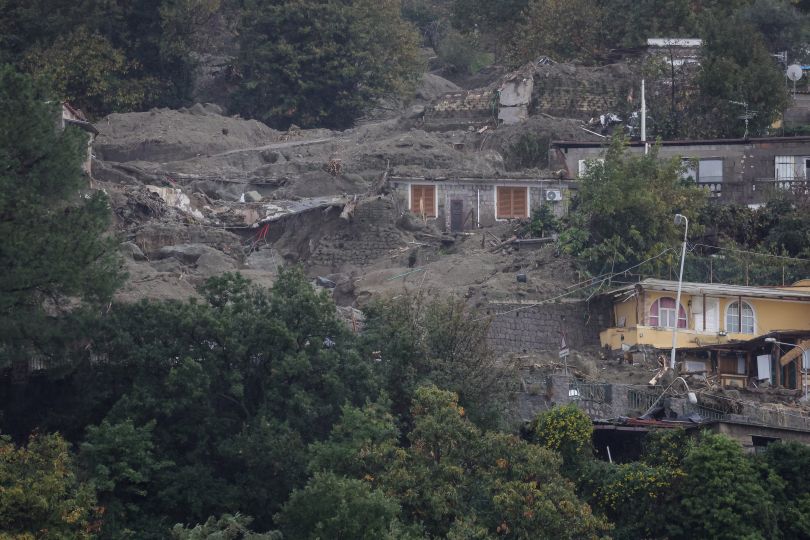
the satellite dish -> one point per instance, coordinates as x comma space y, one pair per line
794, 72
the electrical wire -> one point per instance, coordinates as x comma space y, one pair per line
588, 283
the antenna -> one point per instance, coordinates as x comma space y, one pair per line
746, 116
794, 73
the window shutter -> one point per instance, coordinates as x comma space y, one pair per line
504, 202
519, 203
423, 200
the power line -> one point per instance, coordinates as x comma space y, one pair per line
747, 252
589, 283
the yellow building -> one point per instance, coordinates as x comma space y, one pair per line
710, 313
722, 329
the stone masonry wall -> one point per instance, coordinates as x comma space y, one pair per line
370, 234
538, 328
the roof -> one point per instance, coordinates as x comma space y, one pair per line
716, 289
687, 142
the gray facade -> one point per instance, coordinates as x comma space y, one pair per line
746, 171
475, 200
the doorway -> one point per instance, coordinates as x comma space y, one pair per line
456, 215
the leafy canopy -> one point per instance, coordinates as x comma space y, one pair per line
625, 208
319, 63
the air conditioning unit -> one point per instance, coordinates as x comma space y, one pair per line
553, 195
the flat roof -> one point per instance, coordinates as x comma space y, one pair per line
686, 142
716, 289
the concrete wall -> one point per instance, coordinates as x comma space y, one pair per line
479, 197
522, 328
748, 166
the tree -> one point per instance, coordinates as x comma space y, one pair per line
442, 342
790, 463
53, 241
320, 63
566, 430
624, 210
226, 527
86, 70
562, 29
214, 401
720, 494
334, 507
735, 66
40, 496
454, 479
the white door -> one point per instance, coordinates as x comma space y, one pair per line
697, 312
712, 309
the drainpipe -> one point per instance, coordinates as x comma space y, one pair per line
478, 208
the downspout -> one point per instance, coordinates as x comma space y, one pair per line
478, 207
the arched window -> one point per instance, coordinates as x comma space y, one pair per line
739, 320
662, 313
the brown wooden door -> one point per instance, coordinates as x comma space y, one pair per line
456, 215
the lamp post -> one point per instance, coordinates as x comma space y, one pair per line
804, 352
679, 218
691, 395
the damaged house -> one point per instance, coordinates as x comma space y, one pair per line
466, 203
74, 117
743, 335
746, 171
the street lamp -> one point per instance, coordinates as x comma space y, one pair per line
679, 218
804, 353
689, 394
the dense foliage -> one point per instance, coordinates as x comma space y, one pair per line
319, 63
52, 243
624, 211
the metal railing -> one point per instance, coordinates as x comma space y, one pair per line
640, 400
600, 393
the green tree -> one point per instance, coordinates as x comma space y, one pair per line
721, 495
86, 70
562, 29
53, 242
790, 462
319, 63
566, 430
226, 527
216, 400
40, 496
735, 66
625, 207
442, 342
456, 480
334, 507
121, 462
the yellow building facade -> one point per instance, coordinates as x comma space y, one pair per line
644, 313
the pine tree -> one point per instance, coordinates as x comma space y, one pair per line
52, 228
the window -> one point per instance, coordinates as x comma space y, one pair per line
662, 313
584, 164
423, 200
513, 202
689, 171
733, 316
710, 171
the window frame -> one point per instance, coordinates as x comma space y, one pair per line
739, 314
672, 312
